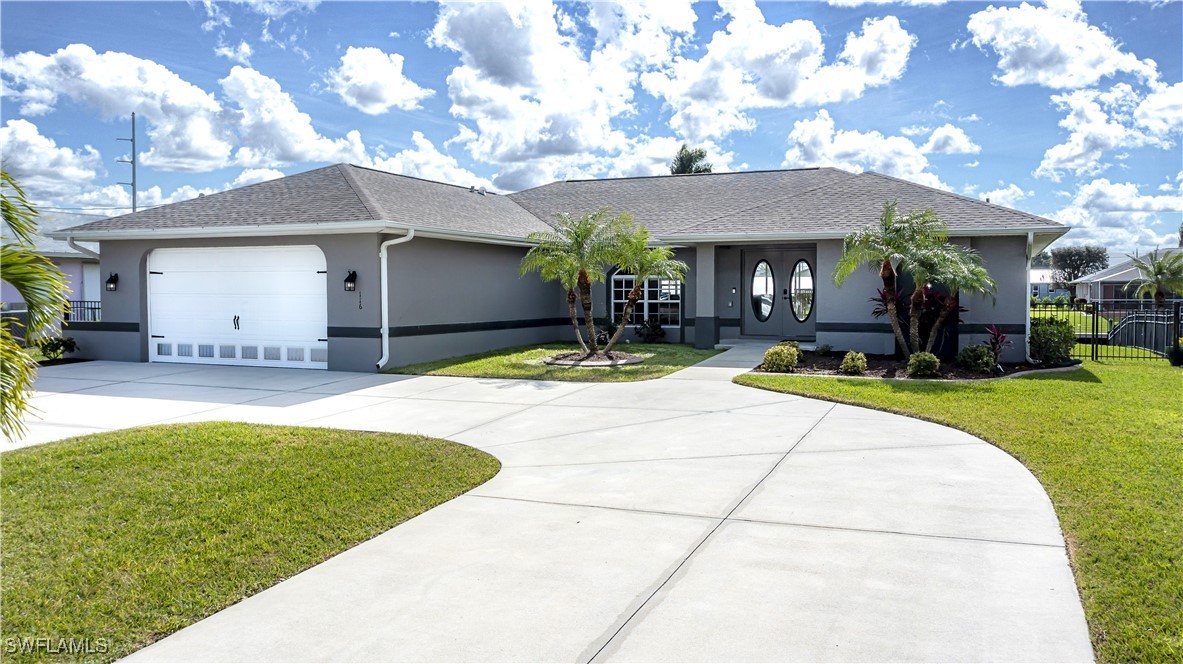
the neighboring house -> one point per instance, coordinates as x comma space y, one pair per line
1109, 284
351, 268
82, 277
1042, 284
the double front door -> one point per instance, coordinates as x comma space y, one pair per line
779, 293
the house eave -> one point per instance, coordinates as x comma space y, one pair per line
274, 230
675, 238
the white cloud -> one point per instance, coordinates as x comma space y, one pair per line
240, 54
255, 176
752, 64
816, 142
43, 169
972, 164
1161, 112
948, 139
859, 3
1097, 122
1008, 195
273, 131
373, 82
427, 162
278, 8
184, 122
972, 117
1052, 45
1119, 216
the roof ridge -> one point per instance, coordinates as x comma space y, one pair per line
412, 177
371, 205
683, 229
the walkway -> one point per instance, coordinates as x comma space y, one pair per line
686, 518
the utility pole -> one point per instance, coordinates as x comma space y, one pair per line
133, 160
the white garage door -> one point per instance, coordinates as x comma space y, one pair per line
256, 306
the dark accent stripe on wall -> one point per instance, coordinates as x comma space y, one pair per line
355, 333
484, 326
980, 328
102, 326
723, 322
854, 327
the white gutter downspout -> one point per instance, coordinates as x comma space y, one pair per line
385, 288
1027, 299
75, 247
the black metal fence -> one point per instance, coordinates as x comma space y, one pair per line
90, 311
1119, 329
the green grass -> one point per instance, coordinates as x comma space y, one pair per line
526, 362
130, 535
1081, 321
1106, 442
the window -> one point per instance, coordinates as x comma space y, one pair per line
801, 290
763, 291
660, 299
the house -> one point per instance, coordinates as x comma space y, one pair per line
351, 268
1043, 284
1109, 284
82, 277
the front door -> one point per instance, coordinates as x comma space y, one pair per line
779, 293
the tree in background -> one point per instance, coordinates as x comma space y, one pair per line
689, 161
43, 288
1042, 261
1072, 263
1158, 274
1181, 236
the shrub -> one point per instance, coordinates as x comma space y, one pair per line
853, 364
825, 350
650, 331
54, 347
796, 345
921, 365
997, 343
1061, 301
977, 358
1052, 339
780, 358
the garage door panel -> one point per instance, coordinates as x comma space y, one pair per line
239, 305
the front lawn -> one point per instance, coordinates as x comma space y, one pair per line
130, 535
1106, 442
1081, 321
526, 362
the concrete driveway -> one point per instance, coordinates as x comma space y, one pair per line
683, 519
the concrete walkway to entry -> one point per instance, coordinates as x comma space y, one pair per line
682, 519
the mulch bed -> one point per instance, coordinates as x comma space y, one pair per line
599, 359
886, 366
63, 360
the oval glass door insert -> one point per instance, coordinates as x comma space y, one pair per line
763, 291
801, 290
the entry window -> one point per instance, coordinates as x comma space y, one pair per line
801, 291
763, 291
660, 299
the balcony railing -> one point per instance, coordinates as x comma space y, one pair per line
89, 311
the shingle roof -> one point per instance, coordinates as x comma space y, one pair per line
787, 202
666, 204
333, 194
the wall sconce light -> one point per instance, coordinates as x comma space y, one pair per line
113, 282
733, 290
351, 281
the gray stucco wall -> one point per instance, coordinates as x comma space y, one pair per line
1006, 260
844, 317
455, 298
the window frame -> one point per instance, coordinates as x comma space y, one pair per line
647, 307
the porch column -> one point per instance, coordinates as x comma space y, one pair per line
706, 323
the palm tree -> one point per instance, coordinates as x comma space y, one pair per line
1157, 275
892, 245
689, 161
955, 267
576, 254
43, 288
634, 256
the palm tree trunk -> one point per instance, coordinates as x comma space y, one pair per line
887, 274
575, 319
585, 296
950, 306
917, 310
633, 296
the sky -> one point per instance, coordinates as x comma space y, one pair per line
1066, 110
